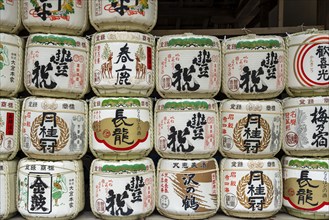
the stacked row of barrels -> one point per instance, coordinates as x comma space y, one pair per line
55, 126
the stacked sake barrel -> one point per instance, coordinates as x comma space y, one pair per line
11, 83
186, 126
54, 124
251, 129
306, 128
122, 178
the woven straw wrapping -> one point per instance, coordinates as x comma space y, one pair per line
233, 122
119, 180
10, 19
70, 140
302, 131
272, 182
259, 59
67, 170
112, 53
11, 65
142, 18
68, 80
316, 171
7, 191
72, 19
206, 194
196, 119
188, 66
9, 128
304, 70
139, 119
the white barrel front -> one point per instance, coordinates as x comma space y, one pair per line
57, 66
11, 64
308, 59
121, 128
186, 128
123, 15
188, 65
8, 174
122, 64
188, 189
250, 129
254, 67
251, 188
306, 186
306, 129
54, 129
122, 189
10, 112
55, 16
49, 190
10, 19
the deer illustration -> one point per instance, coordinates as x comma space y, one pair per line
107, 67
140, 68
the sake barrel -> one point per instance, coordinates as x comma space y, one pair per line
250, 129
54, 129
188, 66
122, 189
305, 187
54, 16
8, 170
121, 128
187, 189
57, 66
9, 128
254, 67
307, 69
50, 189
306, 126
11, 64
251, 188
122, 64
123, 15
186, 128
10, 19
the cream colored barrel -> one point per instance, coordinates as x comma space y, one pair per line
122, 64
8, 174
188, 65
54, 129
254, 67
186, 128
306, 126
122, 189
187, 189
251, 188
11, 64
57, 66
250, 129
306, 186
307, 63
123, 15
121, 128
10, 112
10, 19
53, 16
49, 189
